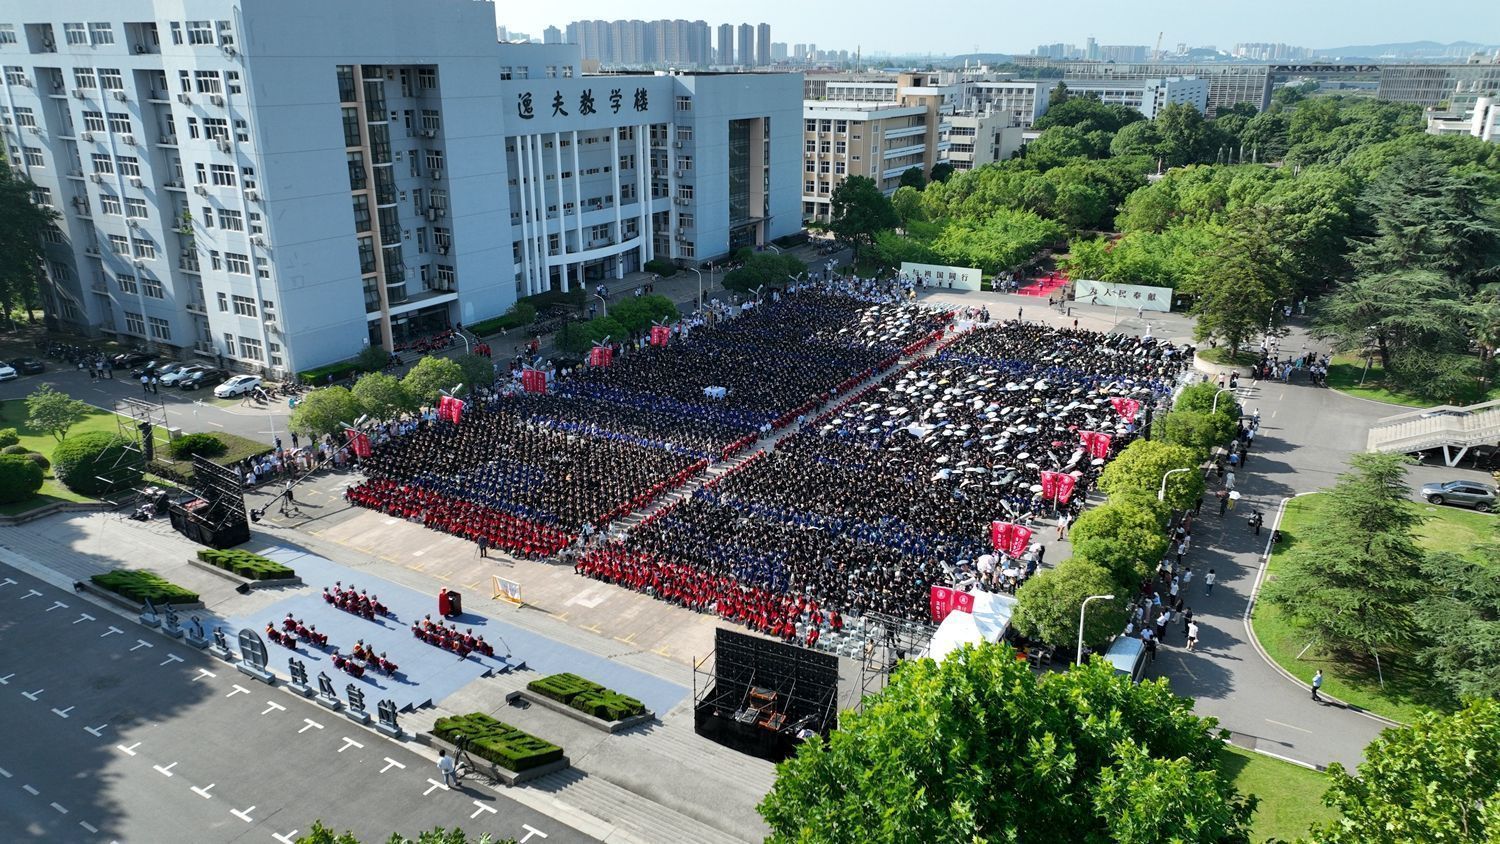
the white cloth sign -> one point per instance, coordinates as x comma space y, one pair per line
958, 278
1122, 295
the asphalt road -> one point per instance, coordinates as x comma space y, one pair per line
117, 733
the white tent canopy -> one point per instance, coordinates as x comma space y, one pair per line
992, 612
956, 630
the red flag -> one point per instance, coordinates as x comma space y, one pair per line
450, 409
361, 443
534, 381
1058, 486
660, 335
945, 599
1000, 534
1019, 538
1095, 442
601, 356
1127, 408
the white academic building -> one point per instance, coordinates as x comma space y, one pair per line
275, 184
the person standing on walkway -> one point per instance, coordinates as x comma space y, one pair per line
1317, 683
1223, 496
1192, 635
446, 768
145, 384
1256, 520
1182, 549
1208, 582
1062, 526
484, 546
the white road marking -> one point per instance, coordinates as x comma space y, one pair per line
203, 792
57, 605
285, 839
62, 713
142, 643
111, 631
59, 808
272, 706
348, 743
5, 773
245, 815
171, 658
589, 598
128, 751
30, 790
32, 695
310, 725
238, 690
392, 763
31, 593
481, 810
166, 772
1288, 726
213, 423
435, 785
88, 826
530, 831
418, 553
96, 732
82, 617
9, 582
204, 672
5, 681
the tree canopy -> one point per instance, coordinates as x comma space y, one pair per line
859, 210
431, 375
1138, 470
980, 748
22, 222
326, 410
54, 412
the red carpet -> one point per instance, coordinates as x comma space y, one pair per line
1045, 285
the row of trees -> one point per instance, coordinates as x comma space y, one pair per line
21, 223
626, 319
1362, 588
382, 397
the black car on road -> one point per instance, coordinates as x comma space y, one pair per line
28, 366
204, 376
125, 360
157, 368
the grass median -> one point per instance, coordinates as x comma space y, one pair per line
1291, 796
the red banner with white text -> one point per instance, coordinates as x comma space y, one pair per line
1127, 408
1058, 486
534, 381
944, 600
660, 334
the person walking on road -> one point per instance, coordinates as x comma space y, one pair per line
1256, 520
1317, 683
1192, 635
1208, 582
446, 768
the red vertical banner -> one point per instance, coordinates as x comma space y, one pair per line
945, 599
450, 409
601, 356
1127, 408
360, 443
1058, 486
1095, 442
534, 381
963, 602
660, 335
1019, 538
1000, 534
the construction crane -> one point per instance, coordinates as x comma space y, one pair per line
1156, 56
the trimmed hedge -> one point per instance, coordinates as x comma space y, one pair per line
208, 445
20, 478
319, 376
14, 448
246, 564
497, 741
520, 315
8, 437
97, 463
142, 585
662, 267
587, 696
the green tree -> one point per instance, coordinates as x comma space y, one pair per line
1186, 138
1437, 780
1200, 432
20, 477
381, 396
1205, 397
372, 359
912, 177
980, 748
1126, 535
478, 371
572, 338
1139, 138
1138, 470
1352, 578
769, 269
1395, 314
97, 463
1265, 137
859, 211
1088, 113
941, 172
22, 223
1426, 215
1459, 616
1047, 605
1236, 291
54, 412
326, 411
432, 375
1150, 800
907, 202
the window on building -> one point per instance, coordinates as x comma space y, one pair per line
160, 328
840, 147
238, 264
255, 226
250, 348
152, 287
684, 191
810, 125
110, 79
810, 146
15, 75
506, 72
684, 103
127, 284
431, 120
83, 77
276, 355
93, 121
244, 306
101, 33
76, 33
33, 157
7, 33
119, 123
242, 131
25, 117
200, 33
232, 81
216, 128
840, 168
434, 160
129, 165
145, 250
223, 175
134, 323
263, 272
551, 71
207, 82
176, 32
684, 133
841, 126
223, 302
215, 260
685, 220
231, 220
427, 78
809, 187
135, 207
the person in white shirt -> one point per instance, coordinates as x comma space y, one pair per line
446, 767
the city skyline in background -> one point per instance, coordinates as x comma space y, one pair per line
1017, 30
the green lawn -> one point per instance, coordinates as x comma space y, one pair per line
1344, 375
1290, 795
1408, 689
13, 415
1221, 357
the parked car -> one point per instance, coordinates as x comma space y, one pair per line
7, 372
1468, 493
201, 376
239, 385
28, 366
125, 360
159, 368
171, 376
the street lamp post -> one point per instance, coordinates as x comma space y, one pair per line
603, 301
699, 273
1215, 408
1081, 609
1161, 494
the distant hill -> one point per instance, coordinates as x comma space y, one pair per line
1456, 49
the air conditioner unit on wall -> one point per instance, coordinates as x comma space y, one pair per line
120, 95
216, 99
184, 99
78, 93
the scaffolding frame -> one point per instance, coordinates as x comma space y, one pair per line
889, 639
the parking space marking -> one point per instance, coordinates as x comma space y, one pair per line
96, 732
287, 838
82, 617
238, 690
272, 706
310, 725
57, 605
530, 831
5, 681
30, 790
348, 743
5, 773
59, 808
142, 643
171, 658
392, 763
32, 696
203, 792
62, 713
111, 631
435, 785
128, 751
245, 815
204, 672
88, 827
8, 582
167, 771
31, 593
480, 809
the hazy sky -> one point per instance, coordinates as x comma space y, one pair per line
1009, 26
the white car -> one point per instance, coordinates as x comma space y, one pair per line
174, 373
7, 372
239, 385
